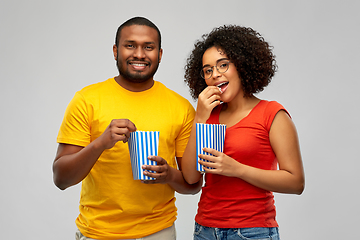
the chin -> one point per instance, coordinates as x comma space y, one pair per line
136, 77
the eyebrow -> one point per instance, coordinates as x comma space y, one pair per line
217, 61
132, 41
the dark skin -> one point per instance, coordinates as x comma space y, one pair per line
73, 163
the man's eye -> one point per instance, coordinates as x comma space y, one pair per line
129, 46
149, 48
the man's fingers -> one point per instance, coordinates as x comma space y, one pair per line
156, 175
159, 160
123, 123
154, 168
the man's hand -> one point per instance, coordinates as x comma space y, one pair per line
73, 163
161, 171
118, 130
165, 174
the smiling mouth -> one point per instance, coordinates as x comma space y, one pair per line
223, 86
138, 65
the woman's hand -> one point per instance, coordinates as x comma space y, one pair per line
208, 99
289, 178
219, 163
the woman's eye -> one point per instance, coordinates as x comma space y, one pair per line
208, 71
224, 65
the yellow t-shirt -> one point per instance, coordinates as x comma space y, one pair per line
112, 204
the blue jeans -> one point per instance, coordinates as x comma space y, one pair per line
209, 233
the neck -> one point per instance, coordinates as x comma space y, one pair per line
134, 86
241, 103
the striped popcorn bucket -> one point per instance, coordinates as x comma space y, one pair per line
209, 136
141, 145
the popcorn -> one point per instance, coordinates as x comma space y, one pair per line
209, 136
141, 145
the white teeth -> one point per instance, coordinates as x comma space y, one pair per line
139, 64
221, 84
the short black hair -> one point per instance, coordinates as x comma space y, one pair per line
137, 21
246, 48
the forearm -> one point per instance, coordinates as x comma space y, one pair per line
280, 181
179, 184
190, 173
208, 99
71, 168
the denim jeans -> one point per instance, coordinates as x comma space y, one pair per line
209, 233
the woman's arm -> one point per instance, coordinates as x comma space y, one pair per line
174, 177
191, 175
284, 141
207, 101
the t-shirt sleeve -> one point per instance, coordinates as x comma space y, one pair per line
184, 134
270, 112
75, 127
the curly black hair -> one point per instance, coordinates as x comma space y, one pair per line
246, 48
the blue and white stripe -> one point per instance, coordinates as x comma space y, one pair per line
141, 145
209, 136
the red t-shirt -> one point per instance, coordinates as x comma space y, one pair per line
229, 202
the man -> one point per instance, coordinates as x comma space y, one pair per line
93, 144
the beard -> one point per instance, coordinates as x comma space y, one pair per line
137, 77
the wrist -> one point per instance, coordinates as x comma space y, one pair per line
97, 146
198, 119
240, 170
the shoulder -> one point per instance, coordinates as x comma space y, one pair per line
270, 104
95, 87
271, 107
93, 92
172, 95
268, 110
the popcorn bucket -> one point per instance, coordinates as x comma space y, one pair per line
141, 145
209, 136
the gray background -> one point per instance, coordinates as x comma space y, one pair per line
51, 49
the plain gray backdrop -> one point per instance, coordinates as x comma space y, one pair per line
51, 49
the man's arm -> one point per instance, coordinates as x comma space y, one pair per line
73, 163
174, 177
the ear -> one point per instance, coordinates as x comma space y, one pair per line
115, 50
160, 54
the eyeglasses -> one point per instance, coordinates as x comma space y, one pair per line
222, 66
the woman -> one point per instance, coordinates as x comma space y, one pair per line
224, 71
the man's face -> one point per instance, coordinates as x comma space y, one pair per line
138, 54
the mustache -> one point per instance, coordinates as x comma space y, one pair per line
136, 60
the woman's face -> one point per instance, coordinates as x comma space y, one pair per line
214, 59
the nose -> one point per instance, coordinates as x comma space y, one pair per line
139, 53
216, 72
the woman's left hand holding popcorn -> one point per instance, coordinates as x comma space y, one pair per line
219, 163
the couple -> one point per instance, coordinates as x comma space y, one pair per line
229, 65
